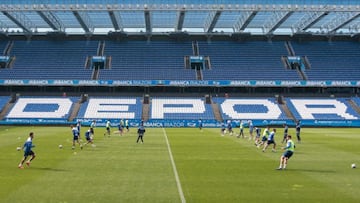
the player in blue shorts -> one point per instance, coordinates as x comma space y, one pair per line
241, 134
28, 145
223, 129
120, 130
88, 137
108, 130
270, 140
76, 137
92, 129
289, 151
264, 137
251, 130
141, 132
297, 130
78, 126
286, 130
229, 127
127, 126
200, 124
257, 136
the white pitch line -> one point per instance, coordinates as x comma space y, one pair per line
178, 183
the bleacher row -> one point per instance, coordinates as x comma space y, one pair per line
173, 108
164, 60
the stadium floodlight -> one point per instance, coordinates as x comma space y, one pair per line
145, 6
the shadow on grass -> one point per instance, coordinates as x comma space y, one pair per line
49, 169
311, 170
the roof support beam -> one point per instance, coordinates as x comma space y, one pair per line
340, 20
211, 21
116, 20
277, 19
244, 20
84, 21
147, 21
51, 20
180, 20
20, 20
309, 20
3, 27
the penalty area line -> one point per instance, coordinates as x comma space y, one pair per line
178, 183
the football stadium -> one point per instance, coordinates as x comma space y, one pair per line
179, 101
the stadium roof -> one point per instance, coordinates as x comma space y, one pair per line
205, 17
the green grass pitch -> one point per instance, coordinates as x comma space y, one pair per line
178, 165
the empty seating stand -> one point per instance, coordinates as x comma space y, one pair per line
252, 60
50, 60
142, 60
338, 60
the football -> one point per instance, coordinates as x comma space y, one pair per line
60, 146
18, 148
353, 165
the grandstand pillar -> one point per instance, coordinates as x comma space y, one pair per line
84, 98
279, 99
208, 99
146, 99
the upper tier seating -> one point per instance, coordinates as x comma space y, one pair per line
330, 60
50, 60
164, 60
246, 61
141, 60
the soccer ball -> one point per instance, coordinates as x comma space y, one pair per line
353, 165
60, 146
18, 148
